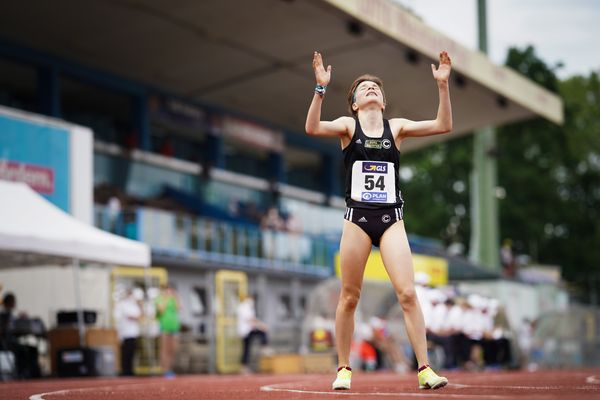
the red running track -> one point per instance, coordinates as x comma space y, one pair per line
562, 385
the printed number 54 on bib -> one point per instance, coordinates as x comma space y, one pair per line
373, 182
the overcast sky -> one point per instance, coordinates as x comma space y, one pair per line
566, 31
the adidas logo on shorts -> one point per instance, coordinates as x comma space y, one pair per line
358, 141
362, 219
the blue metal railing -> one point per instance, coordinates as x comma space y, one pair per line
235, 244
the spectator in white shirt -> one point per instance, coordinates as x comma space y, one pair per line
248, 328
439, 332
497, 346
458, 317
479, 326
128, 314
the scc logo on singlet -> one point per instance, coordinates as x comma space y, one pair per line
375, 167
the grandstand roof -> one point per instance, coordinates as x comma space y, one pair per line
255, 56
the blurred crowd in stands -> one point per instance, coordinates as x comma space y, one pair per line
281, 234
464, 332
472, 331
267, 218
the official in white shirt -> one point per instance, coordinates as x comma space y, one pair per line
128, 313
248, 328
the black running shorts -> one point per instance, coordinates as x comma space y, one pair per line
374, 222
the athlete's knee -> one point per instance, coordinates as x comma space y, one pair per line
407, 297
349, 298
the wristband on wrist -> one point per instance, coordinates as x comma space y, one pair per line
320, 90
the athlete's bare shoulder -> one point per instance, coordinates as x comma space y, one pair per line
350, 124
346, 124
396, 125
348, 121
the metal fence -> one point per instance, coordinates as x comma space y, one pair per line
563, 339
198, 238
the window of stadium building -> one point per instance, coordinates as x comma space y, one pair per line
173, 142
306, 178
284, 307
246, 160
106, 112
142, 180
302, 303
150, 181
19, 86
238, 201
303, 168
199, 306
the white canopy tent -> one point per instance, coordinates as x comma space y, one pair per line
32, 228
34, 231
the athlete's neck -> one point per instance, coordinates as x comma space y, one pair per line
371, 120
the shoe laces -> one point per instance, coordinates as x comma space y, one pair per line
344, 372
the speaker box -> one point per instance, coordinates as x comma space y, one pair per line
71, 317
76, 362
86, 361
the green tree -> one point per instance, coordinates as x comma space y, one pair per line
551, 175
436, 184
578, 184
528, 154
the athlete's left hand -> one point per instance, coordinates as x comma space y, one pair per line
442, 73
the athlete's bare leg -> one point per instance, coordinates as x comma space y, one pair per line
164, 351
397, 260
170, 347
355, 247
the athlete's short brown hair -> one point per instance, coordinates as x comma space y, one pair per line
358, 81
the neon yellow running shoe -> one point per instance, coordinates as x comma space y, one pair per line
429, 379
342, 381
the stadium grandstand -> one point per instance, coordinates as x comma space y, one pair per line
197, 111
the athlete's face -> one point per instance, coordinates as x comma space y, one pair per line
367, 93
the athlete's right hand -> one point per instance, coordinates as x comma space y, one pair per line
321, 75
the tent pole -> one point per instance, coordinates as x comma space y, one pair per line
78, 305
147, 338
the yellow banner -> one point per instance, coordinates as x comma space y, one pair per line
435, 267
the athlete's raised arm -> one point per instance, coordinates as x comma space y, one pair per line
443, 121
314, 125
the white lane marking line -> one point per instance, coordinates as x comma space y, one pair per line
426, 393
64, 392
593, 380
40, 396
461, 386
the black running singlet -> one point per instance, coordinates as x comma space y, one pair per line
372, 179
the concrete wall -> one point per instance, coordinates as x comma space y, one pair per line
521, 300
279, 301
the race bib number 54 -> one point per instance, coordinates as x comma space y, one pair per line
373, 182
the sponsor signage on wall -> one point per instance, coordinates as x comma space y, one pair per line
186, 116
252, 134
436, 268
40, 179
38, 155
177, 113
